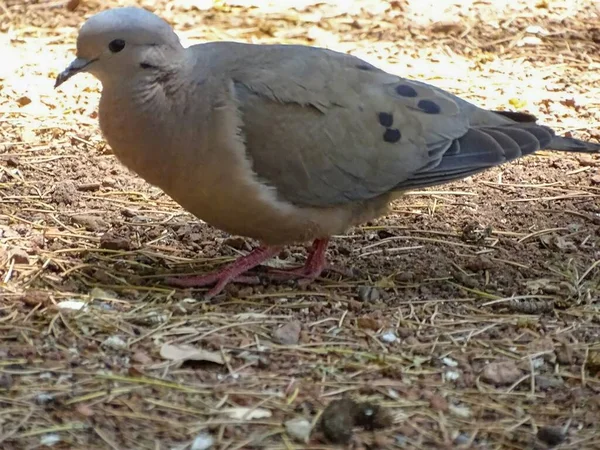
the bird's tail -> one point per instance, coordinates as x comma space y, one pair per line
566, 144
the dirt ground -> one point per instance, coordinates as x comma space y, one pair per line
471, 317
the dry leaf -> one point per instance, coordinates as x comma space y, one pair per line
189, 353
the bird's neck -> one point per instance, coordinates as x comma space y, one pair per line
135, 118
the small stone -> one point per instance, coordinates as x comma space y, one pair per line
459, 411
368, 323
236, 242
203, 441
438, 403
564, 355
368, 294
501, 373
89, 222
449, 362
128, 212
452, 375
288, 334
89, 187
48, 440
19, 256
405, 277
141, 357
480, 263
388, 336
109, 182
72, 305
114, 342
462, 439
111, 241
6, 381
299, 429
545, 383
551, 435
44, 398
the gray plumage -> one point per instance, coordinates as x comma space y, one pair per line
284, 143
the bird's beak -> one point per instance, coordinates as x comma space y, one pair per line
78, 65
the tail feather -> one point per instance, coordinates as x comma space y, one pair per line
567, 144
485, 147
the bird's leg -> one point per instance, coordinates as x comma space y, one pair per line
233, 272
315, 264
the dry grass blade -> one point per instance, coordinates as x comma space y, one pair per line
470, 313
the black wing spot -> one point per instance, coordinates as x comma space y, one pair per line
429, 106
392, 135
405, 90
386, 119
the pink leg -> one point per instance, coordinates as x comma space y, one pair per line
312, 269
232, 272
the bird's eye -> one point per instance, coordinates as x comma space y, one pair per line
116, 46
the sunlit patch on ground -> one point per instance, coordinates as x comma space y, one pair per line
472, 315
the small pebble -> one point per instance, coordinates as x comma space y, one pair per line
19, 256
203, 441
73, 305
44, 398
288, 334
50, 439
451, 375
368, 294
449, 362
459, 411
501, 373
299, 429
388, 336
114, 342
551, 435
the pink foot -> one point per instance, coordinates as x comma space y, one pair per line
315, 264
232, 272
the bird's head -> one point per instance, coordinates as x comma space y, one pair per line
121, 42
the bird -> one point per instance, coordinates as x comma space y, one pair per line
284, 144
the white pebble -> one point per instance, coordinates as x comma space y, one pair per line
298, 428
49, 439
449, 362
203, 441
460, 411
114, 342
537, 363
389, 336
72, 305
452, 375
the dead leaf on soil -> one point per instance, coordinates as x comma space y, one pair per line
189, 353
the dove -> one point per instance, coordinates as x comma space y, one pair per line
284, 144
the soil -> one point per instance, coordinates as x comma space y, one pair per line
471, 315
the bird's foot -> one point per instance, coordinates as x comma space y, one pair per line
234, 272
315, 265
